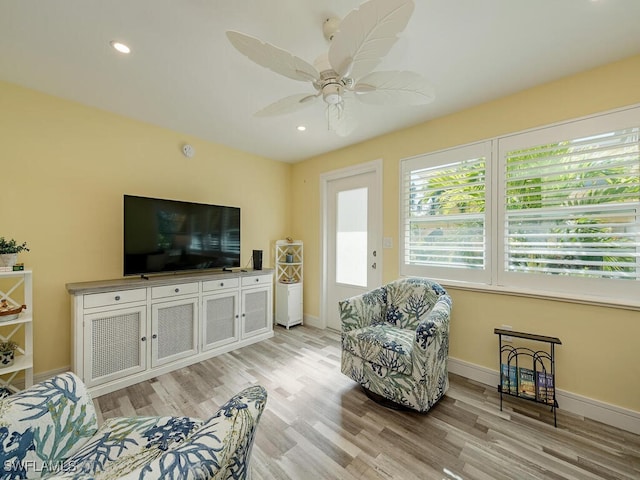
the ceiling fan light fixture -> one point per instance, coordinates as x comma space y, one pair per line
332, 93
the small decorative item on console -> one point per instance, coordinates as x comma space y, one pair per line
7, 352
9, 250
7, 312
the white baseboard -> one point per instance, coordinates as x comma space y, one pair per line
39, 377
613, 415
313, 321
474, 372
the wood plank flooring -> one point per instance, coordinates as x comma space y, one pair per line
318, 424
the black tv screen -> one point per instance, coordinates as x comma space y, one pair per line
171, 236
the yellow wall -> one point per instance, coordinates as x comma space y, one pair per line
598, 358
65, 168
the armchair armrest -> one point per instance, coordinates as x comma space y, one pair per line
363, 310
435, 325
220, 448
431, 348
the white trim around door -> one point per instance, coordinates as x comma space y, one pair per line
375, 167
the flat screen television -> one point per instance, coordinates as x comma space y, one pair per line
162, 236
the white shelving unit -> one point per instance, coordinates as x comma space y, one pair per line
289, 280
17, 289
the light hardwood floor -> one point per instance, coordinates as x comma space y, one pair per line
318, 424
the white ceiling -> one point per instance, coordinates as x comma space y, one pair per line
184, 75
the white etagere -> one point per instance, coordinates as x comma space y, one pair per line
17, 289
289, 280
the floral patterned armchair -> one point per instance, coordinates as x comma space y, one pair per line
50, 431
395, 341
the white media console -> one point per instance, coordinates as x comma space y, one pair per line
128, 330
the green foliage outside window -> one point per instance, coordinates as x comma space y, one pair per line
572, 208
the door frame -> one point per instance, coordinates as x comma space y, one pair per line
375, 167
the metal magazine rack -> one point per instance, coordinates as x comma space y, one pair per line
535, 384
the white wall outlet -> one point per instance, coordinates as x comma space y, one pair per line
507, 338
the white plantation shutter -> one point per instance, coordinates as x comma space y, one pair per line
553, 211
571, 207
444, 204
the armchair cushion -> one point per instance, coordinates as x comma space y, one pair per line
409, 302
382, 344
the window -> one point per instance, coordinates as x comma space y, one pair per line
445, 205
567, 210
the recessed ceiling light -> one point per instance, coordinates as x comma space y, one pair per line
301, 128
121, 47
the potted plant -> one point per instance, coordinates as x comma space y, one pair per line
7, 352
9, 250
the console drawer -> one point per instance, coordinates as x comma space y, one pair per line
168, 291
109, 299
223, 283
256, 280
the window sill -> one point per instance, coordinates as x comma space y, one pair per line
566, 298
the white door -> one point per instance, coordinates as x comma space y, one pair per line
352, 236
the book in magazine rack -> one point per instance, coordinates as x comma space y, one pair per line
536, 384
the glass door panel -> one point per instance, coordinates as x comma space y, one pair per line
351, 237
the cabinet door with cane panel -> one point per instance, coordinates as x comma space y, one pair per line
115, 343
174, 330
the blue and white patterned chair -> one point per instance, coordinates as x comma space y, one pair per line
50, 431
395, 341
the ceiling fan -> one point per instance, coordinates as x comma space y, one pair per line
344, 73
